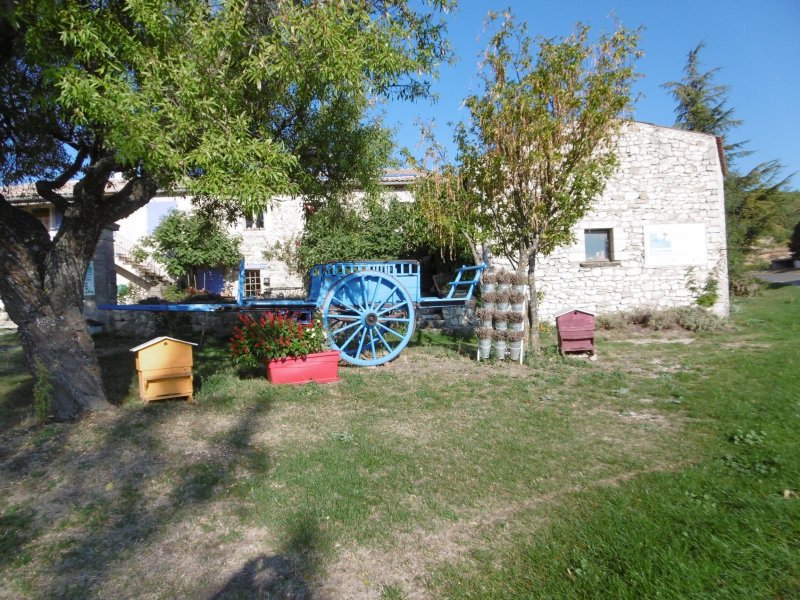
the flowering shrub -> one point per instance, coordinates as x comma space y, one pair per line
274, 336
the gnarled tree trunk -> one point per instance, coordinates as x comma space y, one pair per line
43, 295
41, 284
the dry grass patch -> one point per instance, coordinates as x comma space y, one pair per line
324, 491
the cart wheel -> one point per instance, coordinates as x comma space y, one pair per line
369, 318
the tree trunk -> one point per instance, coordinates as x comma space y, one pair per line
43, 294
527, 264
41, 282
62, 345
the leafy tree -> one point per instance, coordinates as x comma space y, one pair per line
184, 241
537, 149
377, 229
234, 101
754, 201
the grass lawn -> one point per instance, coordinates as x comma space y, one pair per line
669, 468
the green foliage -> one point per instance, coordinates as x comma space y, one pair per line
129, 293
238, 101
794, 242
378, 229
702, 105
755, 201
171, 293
273, 336
706, 295
535, 145
183, 241
787, 217
42, 393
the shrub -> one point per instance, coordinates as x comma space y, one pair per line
501, 297
171, 293
744, 285
697, 319
484, 314
706, 295
518, 278
612, 321
129, 294
691, 318
490, 297
483, 333
662, 319
516, 297
515, 336
503, 276
794, 242
500, 317
499, 335
514, 317
489, 277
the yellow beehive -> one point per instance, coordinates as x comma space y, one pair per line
164, 367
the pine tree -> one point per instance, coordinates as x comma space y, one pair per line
752, 199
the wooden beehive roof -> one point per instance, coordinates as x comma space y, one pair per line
569, 310
154, 341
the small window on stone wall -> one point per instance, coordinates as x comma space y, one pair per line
599, 244
252, 283
254, 222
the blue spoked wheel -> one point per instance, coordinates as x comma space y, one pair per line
369, 317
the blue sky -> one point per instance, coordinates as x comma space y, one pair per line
755, 44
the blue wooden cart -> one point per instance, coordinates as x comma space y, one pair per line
368, 308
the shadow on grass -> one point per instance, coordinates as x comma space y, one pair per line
776, 285
16, 384
285, 574
103, 497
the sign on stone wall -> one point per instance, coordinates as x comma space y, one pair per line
88, 282
675, 244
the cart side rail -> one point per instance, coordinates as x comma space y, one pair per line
322, 277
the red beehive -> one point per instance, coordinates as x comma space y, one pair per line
575, 330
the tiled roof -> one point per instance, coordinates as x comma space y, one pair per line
26, 192
399, 176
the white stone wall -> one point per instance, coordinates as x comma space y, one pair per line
666, 177
283, 222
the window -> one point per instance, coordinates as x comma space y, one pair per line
252, 283
254, 222
598, 244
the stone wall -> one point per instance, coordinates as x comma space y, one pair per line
664, 209
143, 325
283, 222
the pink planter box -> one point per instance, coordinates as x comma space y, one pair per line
322, 367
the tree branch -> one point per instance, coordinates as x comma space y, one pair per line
46, 189
135, 194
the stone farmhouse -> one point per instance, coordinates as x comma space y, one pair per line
656, 233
